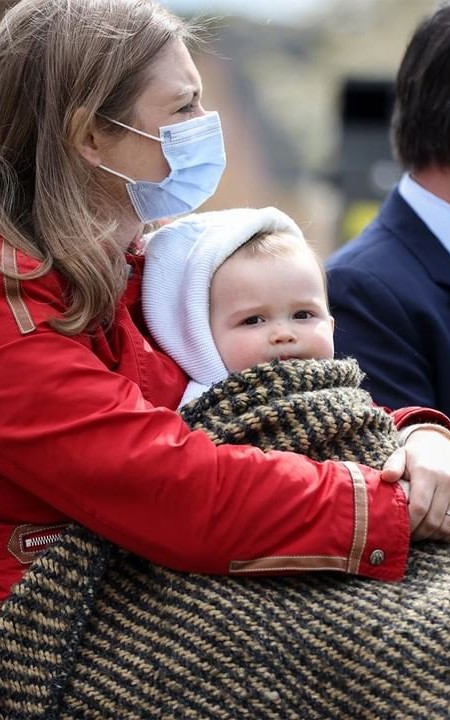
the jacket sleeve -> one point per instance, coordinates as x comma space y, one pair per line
82, 440
372, 326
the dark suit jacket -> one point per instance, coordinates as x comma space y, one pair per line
390, 295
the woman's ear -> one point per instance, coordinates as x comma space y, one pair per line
84, 136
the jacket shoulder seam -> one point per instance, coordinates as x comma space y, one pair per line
13, 292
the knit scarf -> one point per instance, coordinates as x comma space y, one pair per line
313, 407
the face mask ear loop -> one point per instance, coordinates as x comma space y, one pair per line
132, 129
117, 174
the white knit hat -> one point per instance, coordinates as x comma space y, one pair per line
180, 261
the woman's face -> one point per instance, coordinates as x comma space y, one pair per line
173, 94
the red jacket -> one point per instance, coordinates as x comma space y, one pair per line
88, 433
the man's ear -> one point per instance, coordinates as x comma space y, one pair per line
84, 136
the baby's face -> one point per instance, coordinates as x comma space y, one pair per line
270, 307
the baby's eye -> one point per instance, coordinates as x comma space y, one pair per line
253, 320
302, 315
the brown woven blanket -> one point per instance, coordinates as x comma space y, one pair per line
313, 407
95, 633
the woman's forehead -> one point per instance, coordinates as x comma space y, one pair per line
174, 72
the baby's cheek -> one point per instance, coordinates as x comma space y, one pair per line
325, 345
243, 354
252, 352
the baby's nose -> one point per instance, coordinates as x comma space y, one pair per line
283, 333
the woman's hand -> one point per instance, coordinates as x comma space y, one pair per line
424, 461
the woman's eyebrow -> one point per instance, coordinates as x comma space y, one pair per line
188, 90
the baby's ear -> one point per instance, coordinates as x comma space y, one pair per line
332, 323
84, 136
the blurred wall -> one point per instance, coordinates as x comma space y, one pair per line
279, 91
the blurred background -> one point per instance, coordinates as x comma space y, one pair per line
304, 91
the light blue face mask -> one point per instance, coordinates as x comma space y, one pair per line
195, 152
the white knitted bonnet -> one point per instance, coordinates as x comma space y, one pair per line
180, 261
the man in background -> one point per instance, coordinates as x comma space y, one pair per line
390, 287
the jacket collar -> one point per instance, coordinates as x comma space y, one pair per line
401, 220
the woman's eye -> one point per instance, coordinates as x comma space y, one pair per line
189, 108
192, 105
302, 315
252, 320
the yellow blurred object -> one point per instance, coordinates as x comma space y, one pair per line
357, 216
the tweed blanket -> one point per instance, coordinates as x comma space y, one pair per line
95, 633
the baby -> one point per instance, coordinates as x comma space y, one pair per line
238, 299
226, 290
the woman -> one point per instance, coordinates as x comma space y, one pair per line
103, 129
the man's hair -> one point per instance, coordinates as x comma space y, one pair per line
420, 128
63, 63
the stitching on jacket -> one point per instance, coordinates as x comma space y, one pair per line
361, 517
14, 298
288, 563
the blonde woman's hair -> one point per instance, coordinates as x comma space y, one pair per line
57, 56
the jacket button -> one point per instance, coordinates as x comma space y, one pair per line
376, 557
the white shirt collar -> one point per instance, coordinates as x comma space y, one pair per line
433, 211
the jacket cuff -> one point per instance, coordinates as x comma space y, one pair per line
416, 415
386, 550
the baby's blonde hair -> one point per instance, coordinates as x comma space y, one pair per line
279, 243
270, 243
